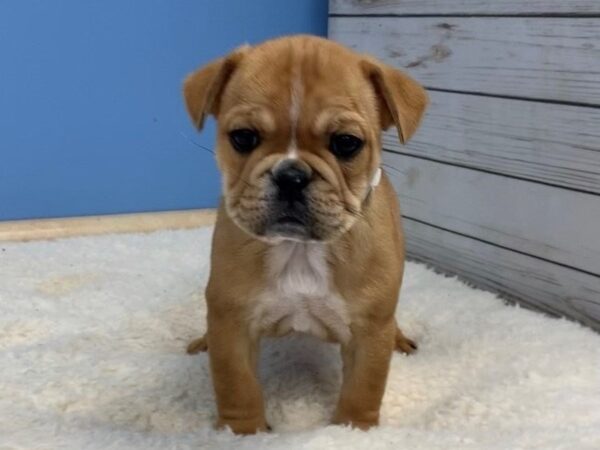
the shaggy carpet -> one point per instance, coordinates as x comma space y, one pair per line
92, 338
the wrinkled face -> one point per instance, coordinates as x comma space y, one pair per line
298, 144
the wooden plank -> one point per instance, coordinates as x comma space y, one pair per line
556, 144
464, 7
542, 58
42, 229
548, 222
541, 284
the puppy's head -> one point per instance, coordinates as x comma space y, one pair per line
299, 132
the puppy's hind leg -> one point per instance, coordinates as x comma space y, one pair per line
404, 344
197, 345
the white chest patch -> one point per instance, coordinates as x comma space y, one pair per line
299, 295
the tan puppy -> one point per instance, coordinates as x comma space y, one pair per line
308, 234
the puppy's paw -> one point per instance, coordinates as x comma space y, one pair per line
362, 423
404, 344
197, 346
244, 426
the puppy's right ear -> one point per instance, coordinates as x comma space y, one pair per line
202, 89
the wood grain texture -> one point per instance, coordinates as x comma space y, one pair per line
43, 229
541, 284
542, 58
555, 144
464, 7
548, 222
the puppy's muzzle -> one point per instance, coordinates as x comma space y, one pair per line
291, 179
290, 215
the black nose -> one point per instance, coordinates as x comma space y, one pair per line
291, 179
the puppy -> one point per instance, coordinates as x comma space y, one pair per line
308, 236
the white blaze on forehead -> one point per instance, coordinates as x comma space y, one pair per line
296, 94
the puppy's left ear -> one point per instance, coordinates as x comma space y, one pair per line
202, 89
402, 101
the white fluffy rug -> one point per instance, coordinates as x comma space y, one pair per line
92, 338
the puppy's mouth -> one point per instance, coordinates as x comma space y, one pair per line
289, 224
290, 220
272, 214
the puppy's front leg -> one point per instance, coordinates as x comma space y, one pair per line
366, 361
233, 355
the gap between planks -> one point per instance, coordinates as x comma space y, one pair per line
558, 15
44, 229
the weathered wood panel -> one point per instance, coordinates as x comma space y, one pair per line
544, 58
548, 222
556, 144
502, 183
464, 7
544, 285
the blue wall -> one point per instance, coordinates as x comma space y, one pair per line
91, 115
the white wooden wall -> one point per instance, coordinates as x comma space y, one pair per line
502, 183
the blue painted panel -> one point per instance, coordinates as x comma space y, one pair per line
91, 115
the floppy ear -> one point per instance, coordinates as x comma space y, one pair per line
202, 89
402, 101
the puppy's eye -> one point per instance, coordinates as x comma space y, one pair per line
244, 140
345, 146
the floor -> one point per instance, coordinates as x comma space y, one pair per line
92, 338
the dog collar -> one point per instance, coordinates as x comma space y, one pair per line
376, 178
